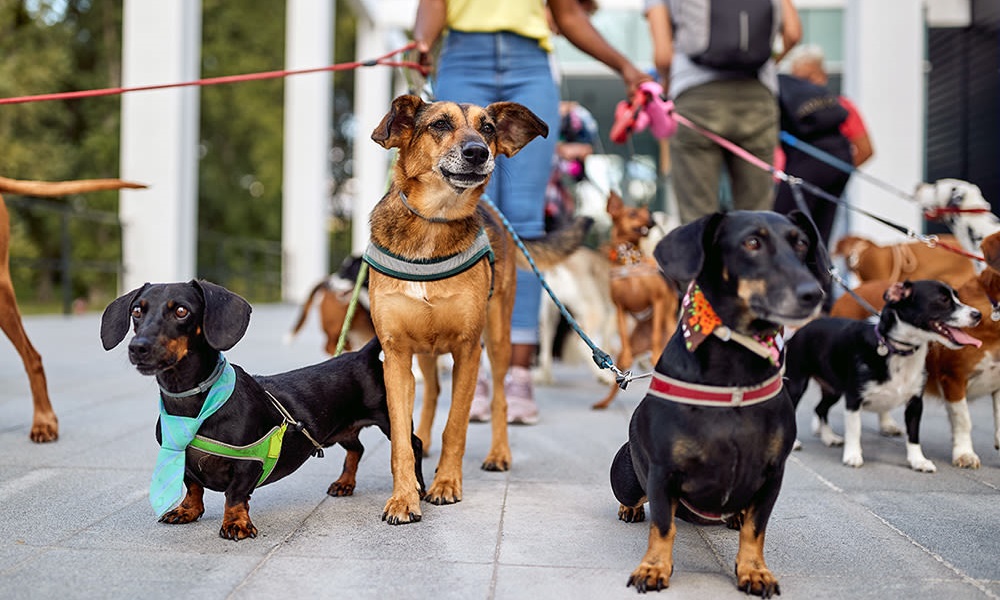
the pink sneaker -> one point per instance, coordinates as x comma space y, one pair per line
521, 407
480, 411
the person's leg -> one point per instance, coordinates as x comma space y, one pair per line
696, 161
753, 125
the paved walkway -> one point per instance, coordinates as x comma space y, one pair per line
75, 520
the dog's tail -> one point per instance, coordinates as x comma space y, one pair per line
63, 188
556, 246
305, 311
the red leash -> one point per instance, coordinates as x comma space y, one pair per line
382, 60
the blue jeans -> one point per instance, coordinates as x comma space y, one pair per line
482, 68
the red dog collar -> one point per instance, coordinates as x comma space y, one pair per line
676, 390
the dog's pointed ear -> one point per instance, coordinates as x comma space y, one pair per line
398, 123
516, 126
817, 259
901, 290
227, 315
681, 253
117, 317
615, 204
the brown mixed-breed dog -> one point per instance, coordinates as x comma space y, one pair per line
431, 214
958, 375
638, 287
334, 294
44, 425
908, 260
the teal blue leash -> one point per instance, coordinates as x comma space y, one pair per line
601, 358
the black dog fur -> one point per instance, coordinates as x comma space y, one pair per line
758, 270
180, 329
843, 356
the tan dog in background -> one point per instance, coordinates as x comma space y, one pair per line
44, 425
907, 260
431, 212
638, 288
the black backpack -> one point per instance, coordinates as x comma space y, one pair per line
728, 35
808, 111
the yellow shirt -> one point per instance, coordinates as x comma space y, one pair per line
523, 17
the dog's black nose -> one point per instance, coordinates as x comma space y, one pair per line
809, 293
976, 315
475, 152
139, 347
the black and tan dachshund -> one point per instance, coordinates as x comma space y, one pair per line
180, 330
709, 441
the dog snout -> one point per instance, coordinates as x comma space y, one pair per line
139, 349
808, 294
475, 152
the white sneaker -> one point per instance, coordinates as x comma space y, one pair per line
521, 407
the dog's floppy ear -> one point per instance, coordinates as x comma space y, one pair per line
117, 317
681, 252
900, 290
991, 250
516, 126
615, 204
817, 259
398, 123
227, 315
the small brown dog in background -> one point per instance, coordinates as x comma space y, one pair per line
44, 425
638, 288
908, 260
334, 294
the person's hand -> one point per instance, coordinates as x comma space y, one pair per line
633, 77
423, 54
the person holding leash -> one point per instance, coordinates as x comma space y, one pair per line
500, 51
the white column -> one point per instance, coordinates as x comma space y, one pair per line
884, 75
161, 43
306, 172
372, 96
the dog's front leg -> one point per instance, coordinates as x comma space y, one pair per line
657, 565
962, 454
404, 504
914, 455
192, 507
447, 485
852, 438
752, 574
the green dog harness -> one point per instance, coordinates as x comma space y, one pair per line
266, 450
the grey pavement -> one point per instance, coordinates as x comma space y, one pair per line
75, 520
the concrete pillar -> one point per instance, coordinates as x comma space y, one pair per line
161, 43
306, 172
884, 75
372, 95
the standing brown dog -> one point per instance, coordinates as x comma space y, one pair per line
434, 287
637, 286
44, 425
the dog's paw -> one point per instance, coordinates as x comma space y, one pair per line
829, 438
756, 579
399, 511
651, 577
45, 428
797, 445
923, 465
853, 460
237, 530
890, 429
966, 460
182, 515
497, 460
631, 514
340, 488
444, 491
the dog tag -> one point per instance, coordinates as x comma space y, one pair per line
882, 350
995, 313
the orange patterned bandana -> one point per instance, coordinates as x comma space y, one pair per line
698, 317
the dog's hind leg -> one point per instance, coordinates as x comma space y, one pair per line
428, 406
821, 422
887, 426
44, 425
344, 486
626, 487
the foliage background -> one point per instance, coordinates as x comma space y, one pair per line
62, 45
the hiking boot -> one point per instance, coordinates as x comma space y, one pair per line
521, 407
480, 411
